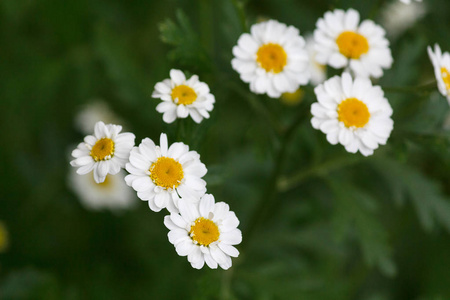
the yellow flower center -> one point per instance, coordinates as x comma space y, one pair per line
185, 94
271, 57
352, 44
103, 149
204, 231
446, 78
103, 185
292, 98
3, 238
166, 172
353, 113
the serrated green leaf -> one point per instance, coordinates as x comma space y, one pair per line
355, 212
188, 50
430, 204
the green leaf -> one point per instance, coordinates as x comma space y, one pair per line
430, 204
355, 213
188, 50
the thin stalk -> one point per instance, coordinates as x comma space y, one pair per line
292, 181
239, 7
411, 89
260, 109
265, 206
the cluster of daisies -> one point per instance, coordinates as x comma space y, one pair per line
168, 177
274, 59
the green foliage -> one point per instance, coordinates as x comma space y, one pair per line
188, 51
425, 194
355, 215
318, 223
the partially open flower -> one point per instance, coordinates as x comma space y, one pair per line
441, 64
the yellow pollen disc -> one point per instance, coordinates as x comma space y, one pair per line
185, 94
352, 44
103, 149
446, 78
166, 172
292, 98
353, 113
271, 57
105, 184
204, 231
3, 238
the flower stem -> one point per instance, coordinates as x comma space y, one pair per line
292, 181
411, 89
265, 206
239, 7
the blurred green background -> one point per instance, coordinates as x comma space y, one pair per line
345, 227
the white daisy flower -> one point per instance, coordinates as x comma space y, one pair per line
272, 59
397, 17
353, 113
162, 174
113, 193
409, 1
441, 64
318, 71
93, 112
205, 233
342, 42
105, 152
182, 98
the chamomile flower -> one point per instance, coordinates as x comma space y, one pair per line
441, 64
272, 59
113, 193
4, 240
342, 42
205, 233
353, 113
409, 1
105, 152
397, 17
318, 71
182, 97
165, 176
93, 112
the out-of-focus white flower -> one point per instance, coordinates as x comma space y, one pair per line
272, 59
105, 152
205, 233
342, 42
165, 176
353, 113
409, 1
441, 64
318, 71
181, 98
397, 17
113, 193
90, 114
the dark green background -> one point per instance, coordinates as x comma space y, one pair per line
352, 228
